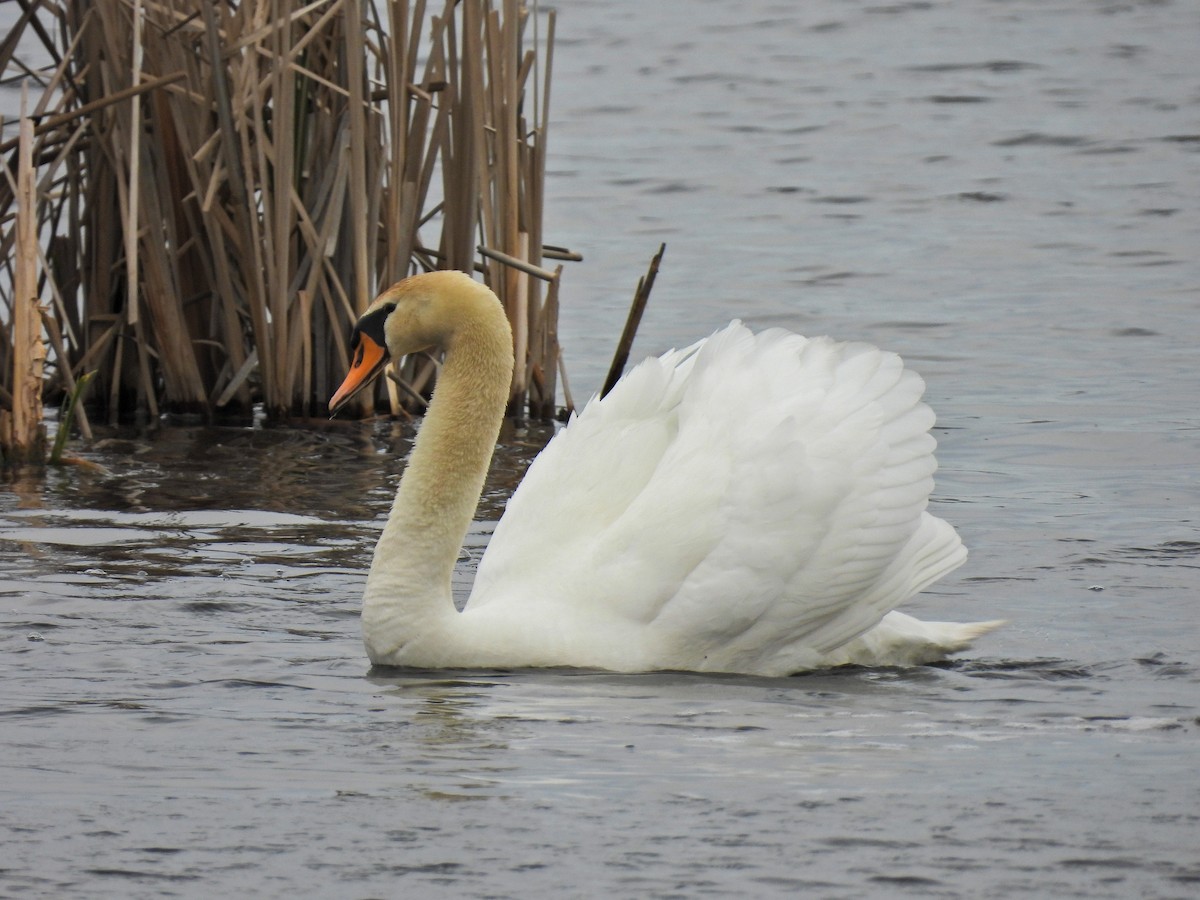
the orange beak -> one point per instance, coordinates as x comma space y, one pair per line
369, 359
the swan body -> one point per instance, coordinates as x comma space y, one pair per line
754, 503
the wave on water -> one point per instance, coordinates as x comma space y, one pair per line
1045, 669
1160, 665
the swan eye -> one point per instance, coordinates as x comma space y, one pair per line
372, 326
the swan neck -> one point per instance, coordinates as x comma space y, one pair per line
408, 593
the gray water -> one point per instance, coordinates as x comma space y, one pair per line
1005, 193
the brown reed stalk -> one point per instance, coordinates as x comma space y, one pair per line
641, 297
22, 435
232, 182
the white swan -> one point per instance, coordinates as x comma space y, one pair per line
753, 504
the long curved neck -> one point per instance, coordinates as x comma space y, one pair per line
407, 597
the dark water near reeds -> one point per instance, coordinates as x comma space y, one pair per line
1004, 192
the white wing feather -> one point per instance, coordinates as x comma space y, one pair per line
750, 503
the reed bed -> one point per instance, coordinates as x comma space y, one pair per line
216, 190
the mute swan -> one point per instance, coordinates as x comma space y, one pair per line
754, 503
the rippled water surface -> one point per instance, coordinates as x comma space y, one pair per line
1005, 193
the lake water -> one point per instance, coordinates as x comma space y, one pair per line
1003, 192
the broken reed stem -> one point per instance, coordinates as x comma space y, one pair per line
640, 298
71, 406
72, 385
518, 264
568, 400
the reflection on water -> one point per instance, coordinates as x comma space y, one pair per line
999, 191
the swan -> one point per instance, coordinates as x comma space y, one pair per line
754, 503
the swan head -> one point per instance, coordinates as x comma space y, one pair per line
422, 312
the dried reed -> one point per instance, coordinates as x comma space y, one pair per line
223, 187
22, 435
641, 296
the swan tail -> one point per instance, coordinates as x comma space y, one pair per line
955, 637
901, 640
898, 639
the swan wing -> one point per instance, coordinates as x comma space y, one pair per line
750, 503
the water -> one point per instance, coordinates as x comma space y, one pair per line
1004, 192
